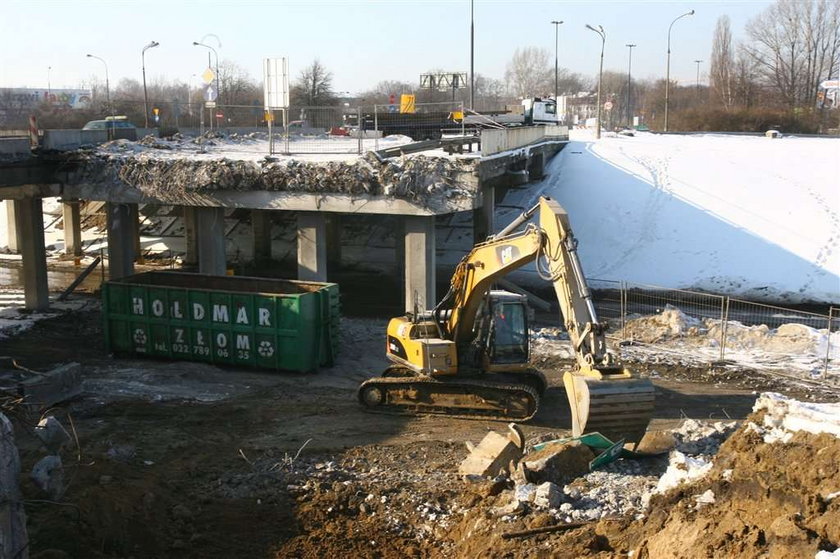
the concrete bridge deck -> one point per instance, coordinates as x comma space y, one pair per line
205, 180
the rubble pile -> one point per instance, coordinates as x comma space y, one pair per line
169, 169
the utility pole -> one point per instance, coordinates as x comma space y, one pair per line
600, 31
472, 55
145, 93
668, 67
557, 25
629, 84
698, 74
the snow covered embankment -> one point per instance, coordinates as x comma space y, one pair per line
746, 216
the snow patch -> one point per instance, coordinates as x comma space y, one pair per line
784, 415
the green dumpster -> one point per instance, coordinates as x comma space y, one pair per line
229, 320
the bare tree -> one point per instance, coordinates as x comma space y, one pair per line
313, 87
745, 76
796, 44
380, 94
722, 62
238, 86
530, 72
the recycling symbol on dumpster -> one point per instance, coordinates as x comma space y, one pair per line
140, 336
265, 349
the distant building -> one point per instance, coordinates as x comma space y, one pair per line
577, 107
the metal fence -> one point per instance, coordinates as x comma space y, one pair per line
715, 329
424, 121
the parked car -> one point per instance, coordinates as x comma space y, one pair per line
118, 126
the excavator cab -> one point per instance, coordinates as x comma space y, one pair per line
507, 342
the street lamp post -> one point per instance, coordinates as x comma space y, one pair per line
629, 83
668, 67
145, 93
557, 25
600, 31
107, 84
216, 55
472, 56
697, 83
49, 86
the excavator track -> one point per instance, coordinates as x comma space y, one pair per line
461, 398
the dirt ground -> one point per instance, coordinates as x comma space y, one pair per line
178, 459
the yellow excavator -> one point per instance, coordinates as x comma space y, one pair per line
469, 356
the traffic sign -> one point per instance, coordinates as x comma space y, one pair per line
208, 76
608, 106
210, 93
830, 84
209, 104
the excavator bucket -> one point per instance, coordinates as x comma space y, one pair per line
618, 406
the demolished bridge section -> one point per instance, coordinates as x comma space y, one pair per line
174, 172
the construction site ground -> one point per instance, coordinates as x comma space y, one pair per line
179, 459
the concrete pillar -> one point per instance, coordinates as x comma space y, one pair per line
210, 225
11, 227
536, 167
190, 236
120, 240
30, 225
261, 227
420, 262
483, 217
312, 246
72, 228
134, 216
334, 243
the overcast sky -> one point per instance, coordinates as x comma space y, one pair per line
360, 42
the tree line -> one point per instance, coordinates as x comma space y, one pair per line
771, 79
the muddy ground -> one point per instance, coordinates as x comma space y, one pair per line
178, 459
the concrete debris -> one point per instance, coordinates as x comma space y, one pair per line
44, 390
558, 462
493, 454
548, 496
48, 475
13, 537
52, 433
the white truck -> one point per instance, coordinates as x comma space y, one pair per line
533, 111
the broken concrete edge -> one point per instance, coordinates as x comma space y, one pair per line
436, 184
275, 200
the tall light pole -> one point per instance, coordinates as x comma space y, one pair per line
668, 67
49, 87
629, 83
472, 56
107, 85
556, 25
697, 83
145, 93
216, 55
600, 31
